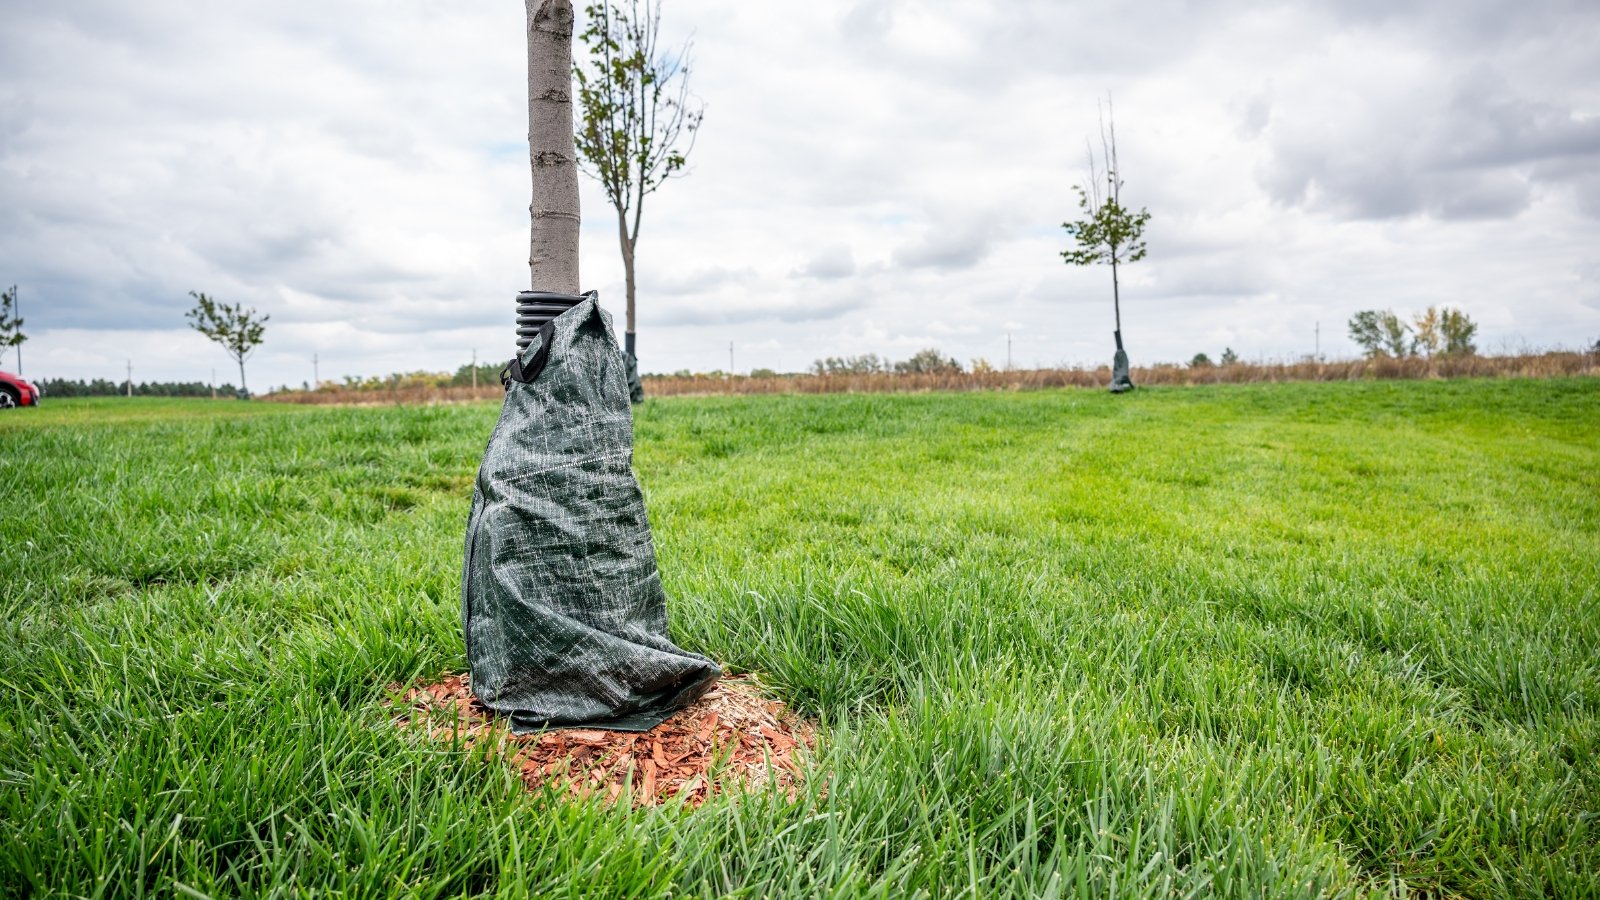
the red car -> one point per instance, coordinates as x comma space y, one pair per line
18, 391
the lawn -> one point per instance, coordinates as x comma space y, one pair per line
1254, 640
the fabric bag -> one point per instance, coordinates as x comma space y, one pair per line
561, 602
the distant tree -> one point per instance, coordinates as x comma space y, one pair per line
763, 373
639, 120
866, 364
1381, 333
1228, 356
1396, 336
1365, 332
1200, 361
238, 328
1457, 329
1429, 338
488, 373
981, 366
1109, 233
10, 323
928, 362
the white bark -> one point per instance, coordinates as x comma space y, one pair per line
553, 244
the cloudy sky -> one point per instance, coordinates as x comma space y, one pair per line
873, 176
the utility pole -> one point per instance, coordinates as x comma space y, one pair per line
130, 379
316, 373
213, 384
1317, 354
730, 359
474, 369
1008, 351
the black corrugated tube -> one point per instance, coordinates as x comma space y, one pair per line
534, 308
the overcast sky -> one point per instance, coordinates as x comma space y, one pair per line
874, 176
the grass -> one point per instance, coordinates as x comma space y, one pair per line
1263, 640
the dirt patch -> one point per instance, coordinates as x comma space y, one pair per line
731, 739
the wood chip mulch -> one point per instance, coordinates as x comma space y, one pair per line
730, 739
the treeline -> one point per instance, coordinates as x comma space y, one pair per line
100, 387
1554, 364
923, 362
486, 374
1436, 331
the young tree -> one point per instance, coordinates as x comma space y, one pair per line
1200, 361
1228, 356
10, 324
639, 120
1457, 329
1109, 233
553, 238
238, 328
1429, 339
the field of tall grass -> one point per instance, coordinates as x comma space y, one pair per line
1295, 639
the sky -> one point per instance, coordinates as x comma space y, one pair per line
872, 176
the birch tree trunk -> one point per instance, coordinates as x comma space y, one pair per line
553, 244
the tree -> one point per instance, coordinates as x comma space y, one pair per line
1457, 328
1228, 356
1200, 361
1396, 336
1429, 339
639, 120
238, 328
553, 237
10, 323
1365, 332
1381, 333
1109, 233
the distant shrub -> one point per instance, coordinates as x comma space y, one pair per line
1200, 361
928, 362
865, 364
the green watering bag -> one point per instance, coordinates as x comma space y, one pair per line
561, 602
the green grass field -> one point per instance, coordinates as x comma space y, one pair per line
1274, 640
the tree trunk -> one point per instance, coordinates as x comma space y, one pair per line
243, 391
553, 244
1116, 296
627, 268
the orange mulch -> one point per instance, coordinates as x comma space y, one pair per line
732, 738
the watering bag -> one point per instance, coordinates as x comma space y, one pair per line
565, 617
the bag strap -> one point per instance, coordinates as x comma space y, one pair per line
516, 371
